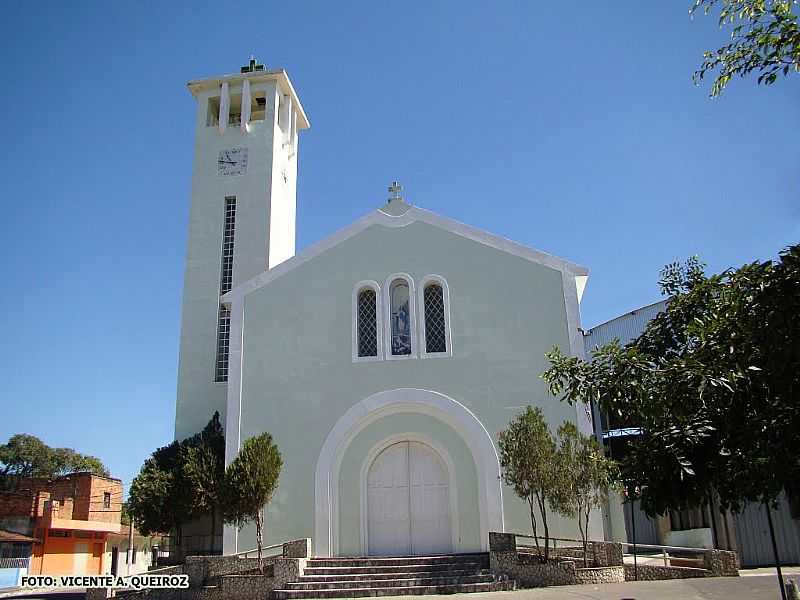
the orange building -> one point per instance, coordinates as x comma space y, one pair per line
70, 517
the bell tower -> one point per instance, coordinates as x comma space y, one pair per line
241, 222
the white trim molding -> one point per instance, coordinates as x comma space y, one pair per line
448, 338
442, 454
387, 316
357, 289
412, 215
233, 420
399, 401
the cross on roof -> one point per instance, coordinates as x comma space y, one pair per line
394, 191
252, 66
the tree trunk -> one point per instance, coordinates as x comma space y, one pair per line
213, 529
583, 526
258, 541
533, 526
543, 512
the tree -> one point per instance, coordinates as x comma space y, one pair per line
250, 481
149, 501
765, 39
712, 383
204, 470
179, 482
530, 466
589, 475
26, 455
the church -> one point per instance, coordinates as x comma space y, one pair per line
383, 359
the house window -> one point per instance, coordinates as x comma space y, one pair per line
59, 533
106, 499
435, 325
367, 315
400, 317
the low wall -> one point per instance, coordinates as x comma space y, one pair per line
656, 572
221, 577
258, 587
721, 563
565, 566
600, 575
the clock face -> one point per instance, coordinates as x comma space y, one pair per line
232, 161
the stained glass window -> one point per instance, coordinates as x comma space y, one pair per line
367, 323
400, 318
435, 338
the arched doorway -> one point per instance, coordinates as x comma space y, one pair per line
408, 502
404, 401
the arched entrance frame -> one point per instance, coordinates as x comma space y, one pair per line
443, 455
398, 401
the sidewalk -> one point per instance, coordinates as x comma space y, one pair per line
712, 588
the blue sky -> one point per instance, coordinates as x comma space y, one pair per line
572, 128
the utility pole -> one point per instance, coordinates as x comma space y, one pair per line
775, 550
129, 553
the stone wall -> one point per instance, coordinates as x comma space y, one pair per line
527, 571
258, 587
225, 577
297, 548
600, 575
721, 563
656, 572
523, 564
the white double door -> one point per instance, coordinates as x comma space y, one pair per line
408, 502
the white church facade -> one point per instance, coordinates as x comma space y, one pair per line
384, 359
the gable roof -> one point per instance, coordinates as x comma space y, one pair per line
400, 214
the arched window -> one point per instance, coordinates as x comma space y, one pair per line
434, 296
401, 317
367, 329
435, 337
367, 320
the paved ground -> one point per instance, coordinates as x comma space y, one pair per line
754, 584
717, 588
58, 594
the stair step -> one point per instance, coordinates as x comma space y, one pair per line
389, 561
381, 583
397, 568
289, 594
406, 575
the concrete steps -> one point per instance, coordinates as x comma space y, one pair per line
393, 576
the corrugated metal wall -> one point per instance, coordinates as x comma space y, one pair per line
625, 327
645, 526
752, 535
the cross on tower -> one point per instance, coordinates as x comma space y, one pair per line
252, 66
394, 191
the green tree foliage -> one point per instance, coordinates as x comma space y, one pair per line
179, 482
250, 481
204, 471
149, 501
589, 476
712, 382
529, 460
27, 456
765, 39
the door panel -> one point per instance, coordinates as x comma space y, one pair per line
80, 558
403, 518
387, 502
